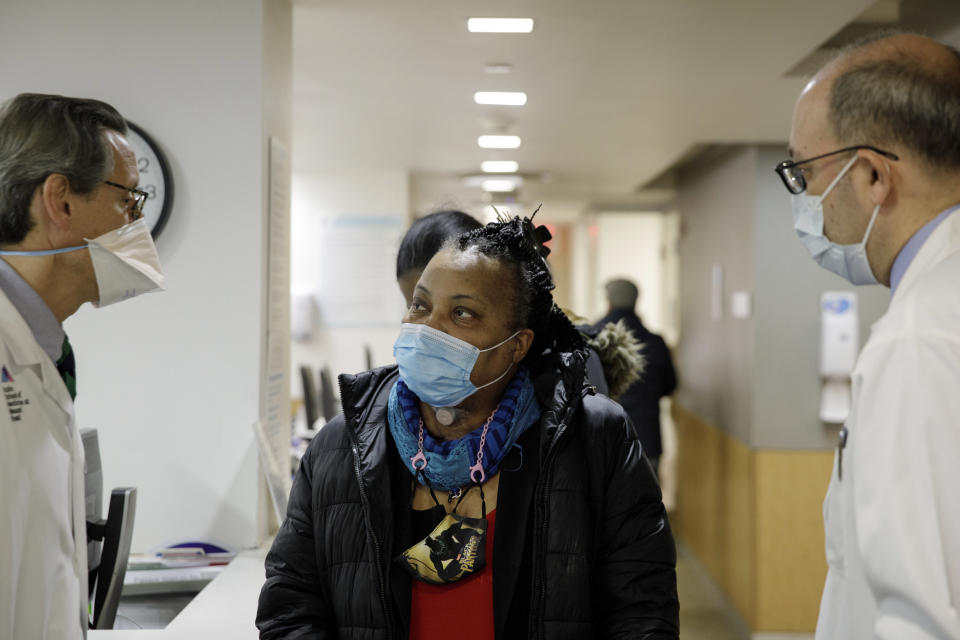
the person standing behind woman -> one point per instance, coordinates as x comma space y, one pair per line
422, 241
479, 489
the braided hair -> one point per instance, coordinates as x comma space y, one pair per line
517, 243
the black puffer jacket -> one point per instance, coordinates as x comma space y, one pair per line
582, 546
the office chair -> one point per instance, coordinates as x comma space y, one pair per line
328, 401
93, 494
116, 533
310, 398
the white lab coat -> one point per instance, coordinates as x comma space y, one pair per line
43, 552
892, 521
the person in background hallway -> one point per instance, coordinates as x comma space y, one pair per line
479, 489
67, 174
641, 400
874, 173
422, 241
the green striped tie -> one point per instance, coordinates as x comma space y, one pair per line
67, 367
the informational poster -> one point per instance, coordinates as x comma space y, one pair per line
358, 282
273, 427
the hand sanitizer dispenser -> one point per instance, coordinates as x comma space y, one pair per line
839, 344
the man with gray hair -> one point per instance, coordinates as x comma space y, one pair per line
875, 178
641, 400
71, 231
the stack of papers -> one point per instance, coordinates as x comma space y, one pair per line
179, 570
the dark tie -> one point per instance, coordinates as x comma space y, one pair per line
67, 367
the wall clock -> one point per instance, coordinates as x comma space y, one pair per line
155, 178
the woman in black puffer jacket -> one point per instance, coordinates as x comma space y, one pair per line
542, 474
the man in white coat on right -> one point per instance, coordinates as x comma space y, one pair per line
875, 178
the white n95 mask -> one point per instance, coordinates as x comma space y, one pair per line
848, 261
125, 262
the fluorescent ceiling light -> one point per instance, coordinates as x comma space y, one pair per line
498, 68
500, 25
499, 166
500, 185
499, 142
508, 98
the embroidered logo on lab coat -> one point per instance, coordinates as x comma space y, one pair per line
15, 400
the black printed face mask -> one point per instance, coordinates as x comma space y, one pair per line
454, 550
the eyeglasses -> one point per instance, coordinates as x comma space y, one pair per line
793, 177
135, 210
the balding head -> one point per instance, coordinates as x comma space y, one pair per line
892, 104
900, 92
909, 48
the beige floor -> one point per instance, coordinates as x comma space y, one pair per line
704, 612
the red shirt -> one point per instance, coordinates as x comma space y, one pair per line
462, 610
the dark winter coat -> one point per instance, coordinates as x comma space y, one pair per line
641, 400
582, 546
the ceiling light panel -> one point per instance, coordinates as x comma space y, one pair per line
499, 166
505, 98
499, 142
498, 68
500, 25
500, 185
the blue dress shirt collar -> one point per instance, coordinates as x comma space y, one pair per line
46, 330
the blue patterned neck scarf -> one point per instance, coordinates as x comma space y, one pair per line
449, 461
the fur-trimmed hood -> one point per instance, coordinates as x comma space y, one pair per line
620, 351
620, 354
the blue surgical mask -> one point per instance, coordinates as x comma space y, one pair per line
849, 261
436, 366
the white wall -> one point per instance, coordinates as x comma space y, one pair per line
319, 201
630, 245
670, 290
171, 379
641, 246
